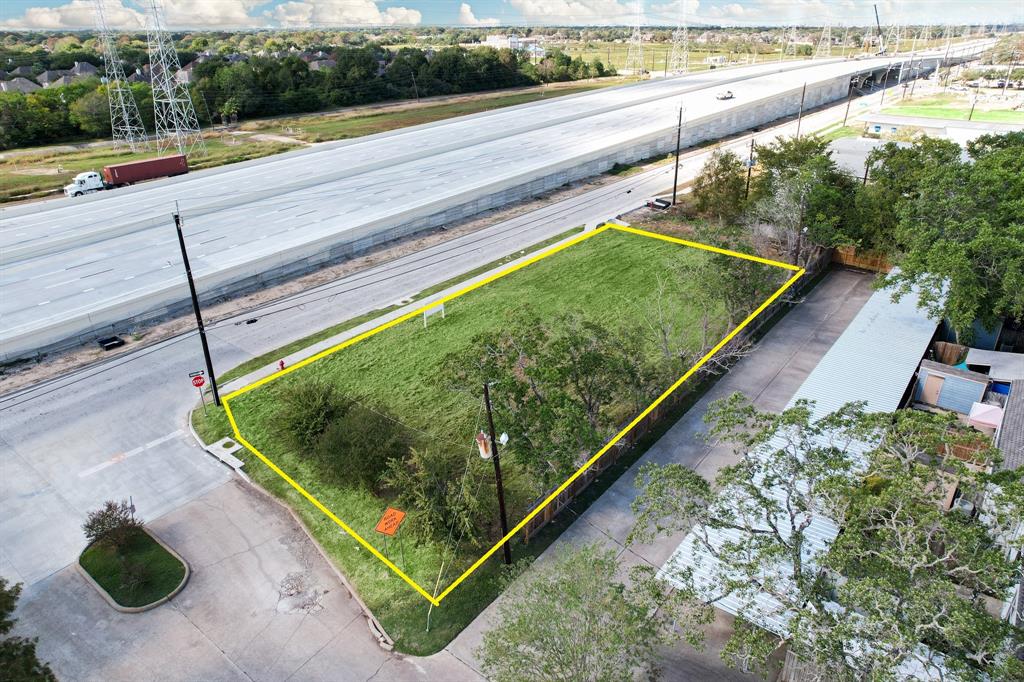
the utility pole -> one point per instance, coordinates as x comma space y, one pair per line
750, 169
415, 88
974, 103
885, 82
800, 116
679, 139
497, 476
849, 99
195, 308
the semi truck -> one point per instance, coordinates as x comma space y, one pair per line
120, 174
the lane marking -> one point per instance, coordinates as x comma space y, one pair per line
122, 456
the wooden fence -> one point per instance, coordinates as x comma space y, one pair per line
863, 260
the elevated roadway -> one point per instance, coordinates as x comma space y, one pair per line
76, 268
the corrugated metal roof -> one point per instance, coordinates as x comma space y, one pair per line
1002, 366
873, 361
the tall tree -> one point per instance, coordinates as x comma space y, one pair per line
18, 659
960, 236
902, 583
574, 619
718, 189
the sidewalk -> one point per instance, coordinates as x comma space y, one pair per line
769, 377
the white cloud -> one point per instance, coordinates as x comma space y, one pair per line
467, 18
343, 13
176, 13
608, 12
77, 14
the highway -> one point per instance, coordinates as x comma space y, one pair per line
72, 265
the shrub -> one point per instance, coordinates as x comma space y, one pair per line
113, 526
307, 409
357, 445
442, 486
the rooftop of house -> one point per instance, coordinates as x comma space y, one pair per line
950, 370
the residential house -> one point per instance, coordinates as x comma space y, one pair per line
875, 361
320, 64
46, 78
23, 71
83, 70
23, 85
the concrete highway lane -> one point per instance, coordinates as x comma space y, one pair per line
75, 265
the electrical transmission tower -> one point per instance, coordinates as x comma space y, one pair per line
679, 59
823, 50
790, 44
176, 123
635, 53
125, 120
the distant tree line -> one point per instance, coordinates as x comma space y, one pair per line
268, 86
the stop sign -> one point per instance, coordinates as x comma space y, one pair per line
198, 382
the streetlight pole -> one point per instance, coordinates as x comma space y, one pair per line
195, 309
497, 476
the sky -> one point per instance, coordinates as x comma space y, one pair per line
224, 14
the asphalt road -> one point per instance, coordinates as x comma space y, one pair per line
70, 264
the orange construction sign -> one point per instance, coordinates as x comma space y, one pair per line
390, 522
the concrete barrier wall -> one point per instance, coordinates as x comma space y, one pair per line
169, 300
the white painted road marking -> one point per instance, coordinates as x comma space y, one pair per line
121, 456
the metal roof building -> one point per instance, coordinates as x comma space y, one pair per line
873, 361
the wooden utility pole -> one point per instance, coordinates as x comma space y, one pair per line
497, 476
195, 309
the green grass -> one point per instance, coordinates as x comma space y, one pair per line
297, 345
44, 171
105, 566
955, 107
838, 132
604, 277
322, 128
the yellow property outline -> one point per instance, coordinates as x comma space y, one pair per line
436, 600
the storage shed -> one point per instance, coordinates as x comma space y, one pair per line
949, 388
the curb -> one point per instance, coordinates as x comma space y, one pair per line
375, 627
146, 607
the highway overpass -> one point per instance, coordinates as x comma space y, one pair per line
73, 269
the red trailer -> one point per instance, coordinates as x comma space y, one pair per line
137, 171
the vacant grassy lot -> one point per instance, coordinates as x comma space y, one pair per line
957, 107
608, 278
163, 572
25, 174
345, 125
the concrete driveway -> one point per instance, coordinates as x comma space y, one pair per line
769, 377
261, 604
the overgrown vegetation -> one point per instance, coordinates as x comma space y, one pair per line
605, 328
954, 226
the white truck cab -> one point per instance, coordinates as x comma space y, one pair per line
84, 183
